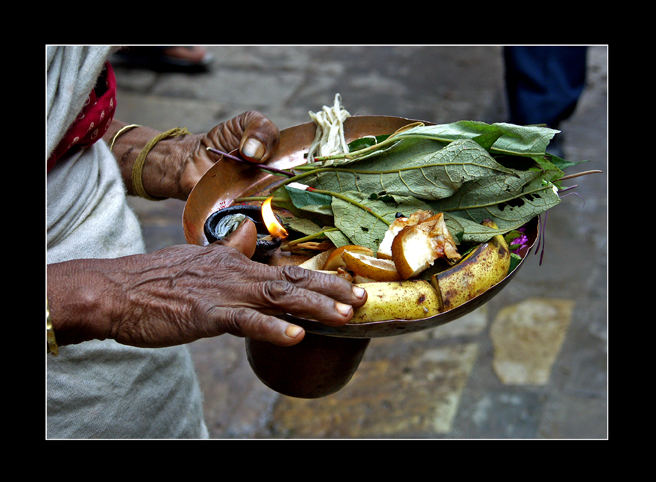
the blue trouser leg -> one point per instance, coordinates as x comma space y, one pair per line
543, 84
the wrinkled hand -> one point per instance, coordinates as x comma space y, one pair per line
251, 132
179, 294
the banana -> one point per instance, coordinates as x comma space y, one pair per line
477, 272
482, 268
397, 300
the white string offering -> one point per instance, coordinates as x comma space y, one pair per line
329, 136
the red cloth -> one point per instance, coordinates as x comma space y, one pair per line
94, 120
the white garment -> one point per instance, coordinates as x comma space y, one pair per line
102, 389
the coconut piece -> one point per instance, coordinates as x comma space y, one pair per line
415, 248
385, 247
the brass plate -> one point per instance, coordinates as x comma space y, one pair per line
228, 180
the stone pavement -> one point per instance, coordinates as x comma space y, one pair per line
530, 364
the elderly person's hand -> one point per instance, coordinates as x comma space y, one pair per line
251, 132
174, 165
182, 293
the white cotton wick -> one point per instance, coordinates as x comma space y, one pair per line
329, 135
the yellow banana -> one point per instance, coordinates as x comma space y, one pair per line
482, 268
477, 272
397, 300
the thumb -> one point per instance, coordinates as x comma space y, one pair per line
243, 239
260, 137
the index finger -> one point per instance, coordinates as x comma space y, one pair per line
327, 284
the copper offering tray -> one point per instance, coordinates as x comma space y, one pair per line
228, 180
327, 357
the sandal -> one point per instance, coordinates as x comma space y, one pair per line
164, 59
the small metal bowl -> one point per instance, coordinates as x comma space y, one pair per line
213, 228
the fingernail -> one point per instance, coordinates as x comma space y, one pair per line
252, 148
358, 291
292, 331
343, 309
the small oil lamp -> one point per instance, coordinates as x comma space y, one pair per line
270, 231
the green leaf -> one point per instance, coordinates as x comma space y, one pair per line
552, 171
515, 259
523, 140
563, 164
310, 201
464, 230
363, 228
418, 168
366, 141
338, 238
302, 225
509, 205
468, 169
498, 138
514, 139
487, 139
510, 236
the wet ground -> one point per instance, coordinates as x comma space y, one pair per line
531, 363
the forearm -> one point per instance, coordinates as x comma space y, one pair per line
81, 300
176, 163
164, 163
182, 293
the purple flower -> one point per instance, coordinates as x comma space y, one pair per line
517, 239
518, 243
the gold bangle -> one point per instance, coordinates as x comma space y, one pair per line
122, 130
50, 334
137, 168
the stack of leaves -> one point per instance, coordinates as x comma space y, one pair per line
469, 170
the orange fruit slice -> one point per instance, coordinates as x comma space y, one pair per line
336, 258
370, 267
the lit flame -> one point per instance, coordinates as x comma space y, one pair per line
276, 229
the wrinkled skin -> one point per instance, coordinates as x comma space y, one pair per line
182, 293
188, 292
227, 136
175, 164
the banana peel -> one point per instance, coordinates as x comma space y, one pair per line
481, 269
